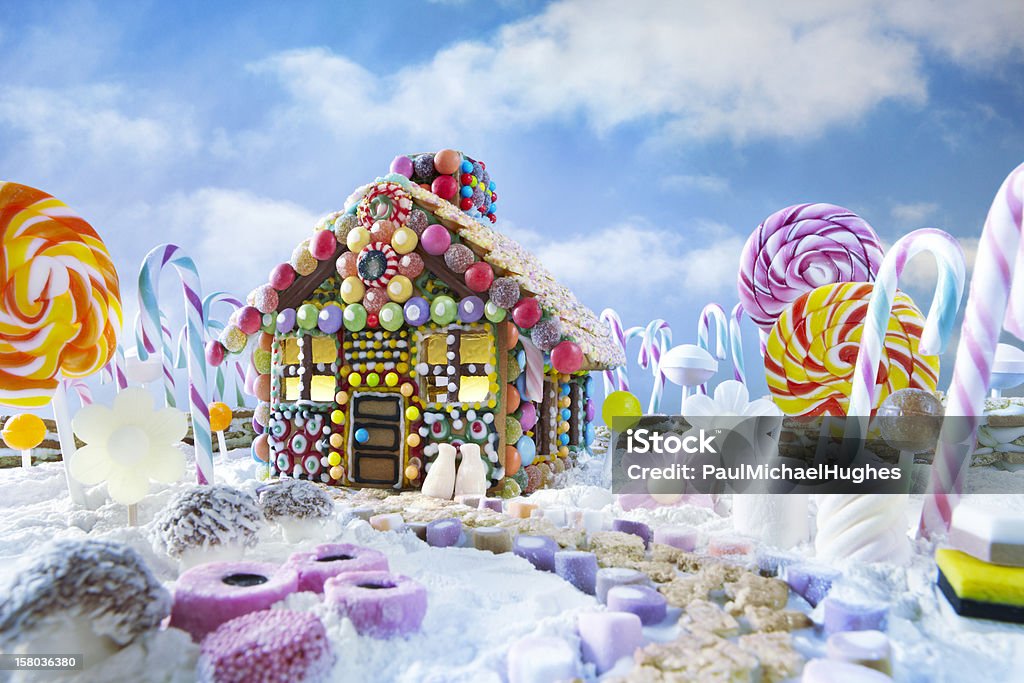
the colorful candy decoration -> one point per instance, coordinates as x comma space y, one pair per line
620, 404
23, 433
710, 311
384, 202
736, 345
656, 341
377, 264
996, 299
814, 344
220, 420
798, 249
169, 255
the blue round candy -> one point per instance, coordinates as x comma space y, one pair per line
566, 413
589, 434
564, 390
527, 450
466, 191
588, 383
362, 436
563, 439
467, 166
521, 359
330, 318
286, 321
491, 186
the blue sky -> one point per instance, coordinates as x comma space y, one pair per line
635, 145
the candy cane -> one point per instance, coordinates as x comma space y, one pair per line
149, 280
657, 338
81, 390
721, 333
996, 299
739, 372
615, 379
114, 370
212, 328
166, 356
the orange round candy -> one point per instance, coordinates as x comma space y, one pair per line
512, 398
411, 473
220, 416
23, 432
512, 460
266, 342
261, 447
261, 387
447, 161
407, 389
511, 333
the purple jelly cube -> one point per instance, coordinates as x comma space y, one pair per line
643, 601
841, 615
610, 577
443, 533
682, 537
537, 550
811, 581
607, 637
628, 526
578, 568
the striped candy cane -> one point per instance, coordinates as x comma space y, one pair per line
213, 327
996, 299
80, 388
739, 372
657, 338
114, 370
721, 334
615, 379
167, 359
149, 280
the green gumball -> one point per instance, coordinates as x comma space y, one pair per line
443, 310
391, 316
355, 317
269, 323
306, 316
494, 313
261, 361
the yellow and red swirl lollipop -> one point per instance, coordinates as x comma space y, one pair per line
813, 346
60, 304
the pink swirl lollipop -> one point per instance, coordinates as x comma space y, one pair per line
800, 248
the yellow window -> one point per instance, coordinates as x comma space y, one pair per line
325, 350
437, 349
323, 388
291, 389
291, 351
473, 389
474, 348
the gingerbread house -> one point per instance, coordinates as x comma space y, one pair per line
406, 320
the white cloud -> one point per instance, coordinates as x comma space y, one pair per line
707, 183
913, 214
727, 69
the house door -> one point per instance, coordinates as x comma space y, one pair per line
377, 458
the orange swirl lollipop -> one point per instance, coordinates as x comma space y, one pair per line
60, 304
813, 346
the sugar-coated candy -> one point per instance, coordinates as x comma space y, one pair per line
724, 546
494, 504
418, 221
643, 601
382, 231
410, 265
347, 264
459, 257
578, 568
546, 334
436, 239
527, 313
402, 165
607, 637
423, 167
262, 413
536, 659
812, 582
504, 292
379, 604
205, 517
521, 509
534, 480
513, 430
343, 225
495, 539
479, 276
282, 276
233, 339
374, 298
630, 526
302, 261
264, 298
447, 161
210, 594
509, 487
265, 646
387, 522
610, 577
442, 533
330, 559
843, 615
866, 648
833, 671
537, 550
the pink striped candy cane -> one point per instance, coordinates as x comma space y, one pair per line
996, 299
80, 388
704, 330
657, 338
114, 370
149, 280
739, 372
615, 379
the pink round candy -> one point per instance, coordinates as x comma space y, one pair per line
479, 276
374, 299
567, 357
323, 245
250, 320
402, 165
444, 186
436, 239
264, 298
215, 352
526, 313
282, 276
528, 415
347, 264
410, 265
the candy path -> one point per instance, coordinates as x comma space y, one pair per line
483, 603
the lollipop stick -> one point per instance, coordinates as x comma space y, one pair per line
26, 457
67, 441
222, 445
133, 515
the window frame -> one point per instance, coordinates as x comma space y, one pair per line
462, 369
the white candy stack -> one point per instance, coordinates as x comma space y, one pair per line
861, 528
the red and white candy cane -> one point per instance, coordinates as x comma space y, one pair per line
996, 300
